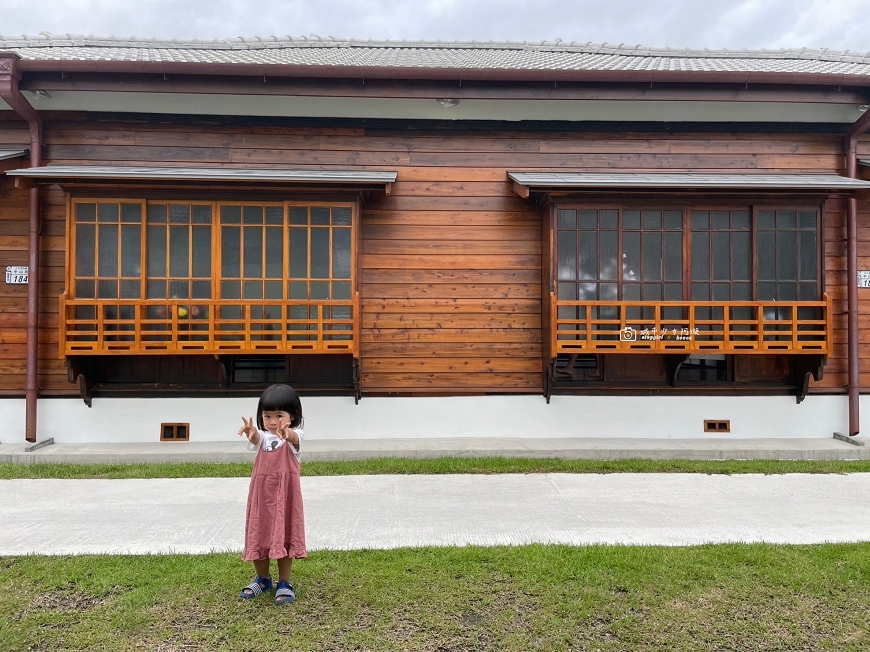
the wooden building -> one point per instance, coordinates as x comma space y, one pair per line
431, 239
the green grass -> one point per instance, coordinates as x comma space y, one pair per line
394, 465
607, 598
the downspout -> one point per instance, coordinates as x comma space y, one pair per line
10, 75
851, 149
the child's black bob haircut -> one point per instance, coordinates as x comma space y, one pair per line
280, 398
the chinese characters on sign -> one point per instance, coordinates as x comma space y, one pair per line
864, 279
16, 275
629, 334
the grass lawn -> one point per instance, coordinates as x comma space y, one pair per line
607, 598
436, 466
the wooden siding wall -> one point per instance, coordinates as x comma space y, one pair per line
450, 262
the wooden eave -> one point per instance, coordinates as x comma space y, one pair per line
360, 86
560, 183
180, 178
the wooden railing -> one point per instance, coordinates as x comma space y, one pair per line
133, 326
690, 326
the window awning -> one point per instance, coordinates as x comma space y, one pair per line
259, 175
526, 182
12, 153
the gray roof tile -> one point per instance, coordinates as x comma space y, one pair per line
549, 55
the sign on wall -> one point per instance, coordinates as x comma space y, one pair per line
864, 279
17, 275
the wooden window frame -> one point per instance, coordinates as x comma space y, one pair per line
332, 333
168, 278
175, 427
664, 204
72, 229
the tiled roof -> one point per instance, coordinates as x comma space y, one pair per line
544, 56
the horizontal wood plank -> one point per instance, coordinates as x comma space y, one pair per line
424, 276
451, 381
452, 306
444, 320
418, 349
531, 233
528, 335
450, 261
446, 364
430, 291
456, 247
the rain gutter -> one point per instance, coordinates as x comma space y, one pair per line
10, 75
854, 383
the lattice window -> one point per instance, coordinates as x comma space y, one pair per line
211, 276
108, 250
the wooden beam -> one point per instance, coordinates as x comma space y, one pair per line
521, 190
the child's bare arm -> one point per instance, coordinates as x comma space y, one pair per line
287, 433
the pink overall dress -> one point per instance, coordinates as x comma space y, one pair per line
274, 523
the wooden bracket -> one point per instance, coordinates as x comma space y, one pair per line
548, 383
805, 368
521, 190
85, 389
23, 183
802, 388
224, 371
672, 367
357, 382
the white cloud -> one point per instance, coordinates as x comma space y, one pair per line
837, 24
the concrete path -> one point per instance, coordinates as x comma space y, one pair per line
595, 448
352, 512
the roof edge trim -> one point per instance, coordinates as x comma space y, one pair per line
272, 175
684, 180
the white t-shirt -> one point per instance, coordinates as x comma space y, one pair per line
271, 442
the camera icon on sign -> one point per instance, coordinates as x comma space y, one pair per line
627, 334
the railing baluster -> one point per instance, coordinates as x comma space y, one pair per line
101, 336
794, 326
759, 316
590, 333
320, 343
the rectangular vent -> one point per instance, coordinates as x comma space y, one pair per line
174, 432
717, 425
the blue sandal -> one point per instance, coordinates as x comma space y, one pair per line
285, 593
257, 588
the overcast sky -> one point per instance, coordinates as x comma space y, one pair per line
836, 24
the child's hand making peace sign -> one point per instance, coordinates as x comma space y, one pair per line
249, 430
287, 433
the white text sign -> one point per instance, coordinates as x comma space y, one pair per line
17, 275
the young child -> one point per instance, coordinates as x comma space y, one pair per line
274, 522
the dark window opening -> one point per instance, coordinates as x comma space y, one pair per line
704, 369
572, 367
209, 375
174, 432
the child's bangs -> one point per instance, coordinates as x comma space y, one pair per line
280, 398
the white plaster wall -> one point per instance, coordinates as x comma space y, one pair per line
218, 419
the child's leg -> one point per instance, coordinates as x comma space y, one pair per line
261, 566
285, 593
284, 566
